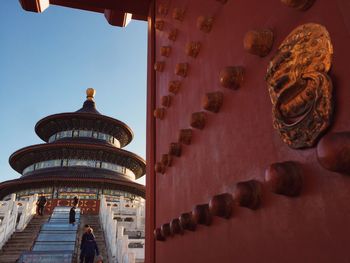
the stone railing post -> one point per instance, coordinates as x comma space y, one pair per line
8, 225
28, 211
131, 257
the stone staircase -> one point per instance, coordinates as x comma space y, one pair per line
94, 222
21, 241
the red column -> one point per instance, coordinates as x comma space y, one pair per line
151, 132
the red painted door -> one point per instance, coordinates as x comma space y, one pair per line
239, 142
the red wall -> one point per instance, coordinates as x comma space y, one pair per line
87, 207
239, 142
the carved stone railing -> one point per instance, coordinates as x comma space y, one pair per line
129, 250
27, 210
117, 242
136, 249
9, 212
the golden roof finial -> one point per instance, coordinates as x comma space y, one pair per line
90, 93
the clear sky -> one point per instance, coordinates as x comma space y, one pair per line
47, 61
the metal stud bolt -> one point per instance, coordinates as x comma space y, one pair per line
173, 34
205, 23
159, 25
187, 221
201, 214
181, 69
198, 120
222, 205
175, 226
165, 230
158, 235
212, 101
159, 66
231, 77
284, 178
159, 168
175, 149
174, 86
165, 51
248, 194
193, 48
159, 113
179, 14
166, 101
185, 136
259, 42
166, 160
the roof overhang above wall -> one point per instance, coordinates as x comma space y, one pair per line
117, 12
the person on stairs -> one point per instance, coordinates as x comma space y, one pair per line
88, 247
40, 204
75, 201
72, 216
83, 239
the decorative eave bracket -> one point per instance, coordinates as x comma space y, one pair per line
117, 12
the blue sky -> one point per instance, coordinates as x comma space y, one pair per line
47, 61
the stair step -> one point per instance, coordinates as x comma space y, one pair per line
10, 248
8, 259
13, 252
21, 246
21, 241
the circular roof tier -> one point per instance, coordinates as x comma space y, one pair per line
121, 184
77, 150
86, 118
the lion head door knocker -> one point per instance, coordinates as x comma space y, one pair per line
299, 87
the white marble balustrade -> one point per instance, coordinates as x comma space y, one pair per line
116, 240
10, 211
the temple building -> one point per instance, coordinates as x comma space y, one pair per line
82, 156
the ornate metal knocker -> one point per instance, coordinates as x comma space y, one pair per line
299, 86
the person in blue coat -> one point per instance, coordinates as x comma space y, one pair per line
88, 247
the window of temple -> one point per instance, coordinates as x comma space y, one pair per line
28, 169
75, 134
135, 245
85, 134
67, 134
65, 162
26, 194
84, 193
115, 195
79, 163
103, 136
